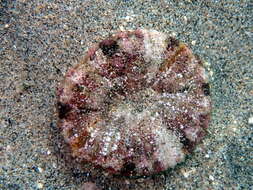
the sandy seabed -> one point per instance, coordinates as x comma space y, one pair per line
40, 40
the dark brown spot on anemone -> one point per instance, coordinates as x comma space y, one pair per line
157, 166
172, 43
87, 110
184, 89
206, 89
109, 47
128, 169
63, 109
204, 120
188, 145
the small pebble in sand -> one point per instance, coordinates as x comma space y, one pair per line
193, 42
250, 121
40, 185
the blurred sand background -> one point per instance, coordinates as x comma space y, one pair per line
41, 39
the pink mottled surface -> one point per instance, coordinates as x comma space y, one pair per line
136, 105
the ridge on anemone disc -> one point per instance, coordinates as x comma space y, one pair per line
137, 104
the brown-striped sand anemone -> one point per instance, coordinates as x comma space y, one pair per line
137, 103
